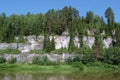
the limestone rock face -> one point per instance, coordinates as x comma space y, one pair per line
13, 45
61, 42
37, 43
24, 47
90, 32
77, 41
27, 58
107, 42
31, 38
4, 46
34, 43
40, 39
88, 41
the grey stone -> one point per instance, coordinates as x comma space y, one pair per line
40, 38
27, 58
31, 38
24, 47
13, 45
4, 46
38, 47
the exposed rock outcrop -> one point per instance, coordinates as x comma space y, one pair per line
62, 42
27, 58
8, 46
36, 42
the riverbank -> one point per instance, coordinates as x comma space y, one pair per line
58, 68
36, 68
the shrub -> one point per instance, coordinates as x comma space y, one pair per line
2, 59
78, 65
88, 58
69, 60
12, 60
95, 64
37, 60
77, 58
84, 50
60, 51
42, 60
112, 55
86, 55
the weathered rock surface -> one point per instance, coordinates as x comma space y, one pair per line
88, 41
107, 41
27, 58
8, 46
36, 43
61, 42
77, 41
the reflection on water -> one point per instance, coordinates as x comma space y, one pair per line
58, 76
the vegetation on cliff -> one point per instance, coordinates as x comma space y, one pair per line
55, 22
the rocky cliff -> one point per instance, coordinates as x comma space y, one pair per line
36, 42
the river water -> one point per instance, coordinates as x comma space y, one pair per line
59, 76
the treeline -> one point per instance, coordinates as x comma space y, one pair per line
56, 22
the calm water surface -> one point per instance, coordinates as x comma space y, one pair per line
59, 76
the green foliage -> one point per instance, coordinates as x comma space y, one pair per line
112, 55
12, 60
69, 60
72, 46
78, 65
84, 50
117, 35
37, 51
90, 17
77, 58
60, 51
52, 44
49, 45
56, 22
110, 17
52, 22
42, 60
2, 59
95, 64
10, 51
88, 58
86, 55
39, 60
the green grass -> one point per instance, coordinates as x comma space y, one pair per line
58, 68
10, 51
58, 51
37, 51
29, 67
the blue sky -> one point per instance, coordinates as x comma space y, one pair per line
42, 6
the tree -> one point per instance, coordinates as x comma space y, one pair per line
90, 17
110, 17
3, 23
117, 35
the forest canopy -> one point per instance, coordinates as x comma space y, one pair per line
55, 22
